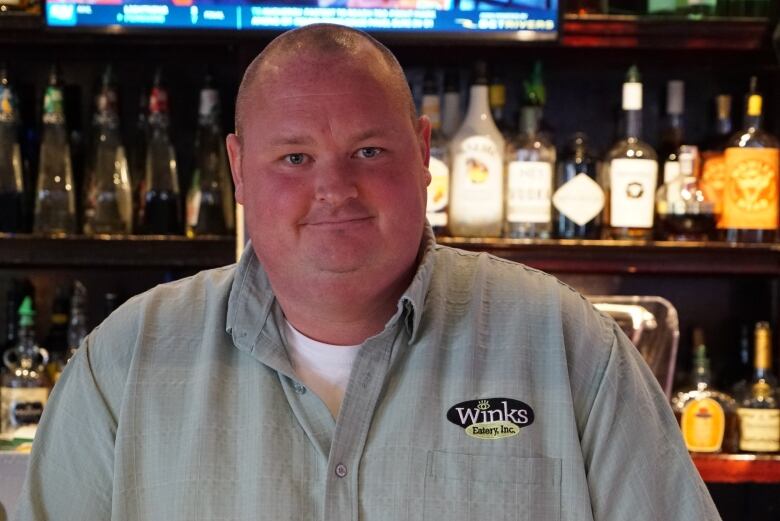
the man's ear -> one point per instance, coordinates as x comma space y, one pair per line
424, 140
234, 155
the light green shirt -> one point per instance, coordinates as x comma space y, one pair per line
183, 406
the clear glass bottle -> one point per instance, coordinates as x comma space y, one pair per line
713, 171
439, 165
630, 173
759, 405
477, 187
750, 196
11, 179
578, 201
108, 205
161, 202
707, 416
529, 172
209, 200
451, 116
55, 198
683, 210
25, 388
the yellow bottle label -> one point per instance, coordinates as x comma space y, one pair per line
759, 430
754, 105
750, 198
713, 180
703, 424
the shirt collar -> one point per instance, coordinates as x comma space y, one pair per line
251, 299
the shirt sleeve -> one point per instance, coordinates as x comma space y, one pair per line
636, 461
70, 474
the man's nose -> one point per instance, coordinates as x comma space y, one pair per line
336, 182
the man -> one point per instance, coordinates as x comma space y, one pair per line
348, 368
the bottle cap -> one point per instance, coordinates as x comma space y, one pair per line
26, 313
632, 90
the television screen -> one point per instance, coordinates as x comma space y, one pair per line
508, 19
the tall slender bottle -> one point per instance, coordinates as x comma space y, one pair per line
77, 322
108, 207
630, 173
209, 200
750, 197
497, 98
672, 136
578, 200
137, 158
451, 116
477, 196
24, 389
162, 208
11, 179
759, 405
713, 175
439, 165
55, 197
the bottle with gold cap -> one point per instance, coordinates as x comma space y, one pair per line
759, 405
750, 196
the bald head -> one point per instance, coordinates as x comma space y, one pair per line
326, 41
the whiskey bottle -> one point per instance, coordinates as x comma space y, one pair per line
630, 173
161, 202
759, 405
713, 174
530, 165
578, 200
108, 206
477, 189
684, 212
438, 166
451, 116
11, 180
750, 196
707, 416
55, 200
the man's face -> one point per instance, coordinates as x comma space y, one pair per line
332, 172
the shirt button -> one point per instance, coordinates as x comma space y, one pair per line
298, 388
341, 470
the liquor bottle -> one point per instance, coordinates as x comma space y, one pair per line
672, 136
77, 323
19, 288
161, 201
25, 388
707, 416
750, 198
137, 160
477, 189
32, 7
530, 165
108, 206
438, 166
744, 363
56, 341
696, 8
630, 173
55, 199
209, 200
11, 180
578, 200
497, 100
759, 406
451, 116
713, 176
683, 210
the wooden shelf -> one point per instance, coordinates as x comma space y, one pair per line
631, 257
106, 251
738, 468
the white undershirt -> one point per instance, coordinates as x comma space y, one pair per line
323, 368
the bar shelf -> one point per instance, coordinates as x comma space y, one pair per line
738, 468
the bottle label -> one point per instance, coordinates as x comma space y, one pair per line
193, 207
7, 105
632, 96
703, 424
529, 184
209, 102
632, 192
713, 180
158, 101
53, 112
759, 429
581, 199
21, 406
477, 182
671, 171
438, 192
750, 195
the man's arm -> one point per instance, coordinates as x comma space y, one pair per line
70, 476
636, 462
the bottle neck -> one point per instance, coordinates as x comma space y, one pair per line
752, 122
723, 126
633, 123
479, 107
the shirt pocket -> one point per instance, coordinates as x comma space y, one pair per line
461, 487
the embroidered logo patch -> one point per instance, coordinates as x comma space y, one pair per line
491, 418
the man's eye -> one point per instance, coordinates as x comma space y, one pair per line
369, 152
295, 159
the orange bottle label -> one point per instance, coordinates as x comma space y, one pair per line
703, 424
750, 198
713, 180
